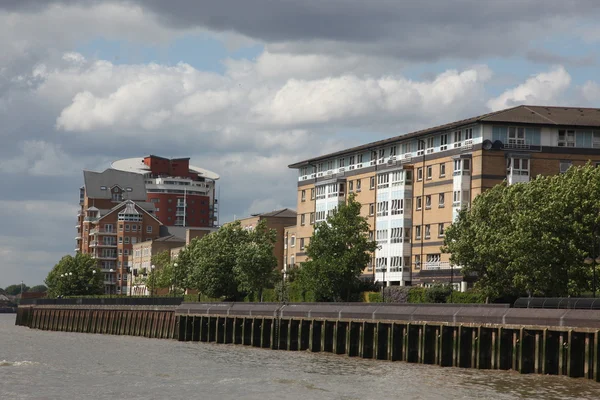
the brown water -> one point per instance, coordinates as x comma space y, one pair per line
57, 365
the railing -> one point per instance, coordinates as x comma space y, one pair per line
97, 231
117, 300
517, 144
429, 265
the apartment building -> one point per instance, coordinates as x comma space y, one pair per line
183, 194
412, 186
277, 220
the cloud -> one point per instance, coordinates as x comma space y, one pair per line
545, 88
40, 158
591, 92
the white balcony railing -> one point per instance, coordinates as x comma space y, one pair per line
435, 265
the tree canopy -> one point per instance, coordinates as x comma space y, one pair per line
531, 238
14, 290
338, 252
75, 276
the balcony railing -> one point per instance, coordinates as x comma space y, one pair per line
435, 265
98, 231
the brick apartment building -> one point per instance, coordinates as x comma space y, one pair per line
128, 204
277, 220
412, 186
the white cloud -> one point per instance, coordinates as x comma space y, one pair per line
591, 92
40, 158
545, 88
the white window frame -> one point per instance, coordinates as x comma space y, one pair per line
568, 138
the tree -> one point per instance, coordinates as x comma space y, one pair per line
14, 290
75, 276
532, 238
211, 261
338, 252
38, 289
161, 276
255, 262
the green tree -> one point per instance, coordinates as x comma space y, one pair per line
255, 262
75, 276
14, 290
532, 238
38, 289
211, 261
338, 252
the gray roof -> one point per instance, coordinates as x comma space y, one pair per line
283, 213
94, 181
171, 238
181, 231
539, 115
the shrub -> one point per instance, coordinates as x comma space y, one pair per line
437, 294
397, 294
416, 295
373, 297
468, 297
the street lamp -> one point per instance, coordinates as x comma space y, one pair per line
152, 288
590, 261
175, 276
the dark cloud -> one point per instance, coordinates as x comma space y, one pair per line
546, 57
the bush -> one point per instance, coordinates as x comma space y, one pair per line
397, 294
373, 297
416, 295
468, 297
437, 294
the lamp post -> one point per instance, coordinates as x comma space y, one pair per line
110, 280
591, 261
152, 283
175, 277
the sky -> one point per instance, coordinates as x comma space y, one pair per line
246, 87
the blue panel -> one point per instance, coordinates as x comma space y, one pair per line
413, 146
533, 135
579, 138
436, 141
586, 139
499, 133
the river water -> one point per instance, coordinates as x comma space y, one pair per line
57, 365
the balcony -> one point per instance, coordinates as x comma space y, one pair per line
96, 243
437, 265
91, 219
108, 257
98, 231
180, 214
517, 144
110, 282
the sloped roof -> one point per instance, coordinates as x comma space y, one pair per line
283, 213
524, 114
171, 239
94, 181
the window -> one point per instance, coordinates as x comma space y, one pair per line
126, 240
440, 230
443, 142
148, 229
441, 200
442, 170
457, 138
419, 203
462, 166
303, 195
120, 227
134, 228
330, 164
383, 181
516, 136
312, 194
565, 165
518, 166
566, 138
120, 252
301, 243
596, 140
429, 172
170, 200
372, 183
133, 240
428, 201
342, 162
417, 261
407, 235
293, 241
420, 147
351, 186
371, 237
302, 219
120, 240
397, 207
127, 227
351, 162
359, 158
433, 260
396, 235
381, 154
126, 252
418, 232
382, 236
456, 198
429, 145
372, 209
358, 185
393, 151
155, 200
468, 133
382, 208
420, 174
427, 231
312, 218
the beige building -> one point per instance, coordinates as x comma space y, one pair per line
413, 186
276, 220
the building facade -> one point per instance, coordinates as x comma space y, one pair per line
412, 187
183, 194
277, 220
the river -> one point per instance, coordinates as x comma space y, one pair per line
57, 365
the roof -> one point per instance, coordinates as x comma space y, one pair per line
128, 204
181, 231
94, 181
171, 239
136, 165
283, 213
524, 114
